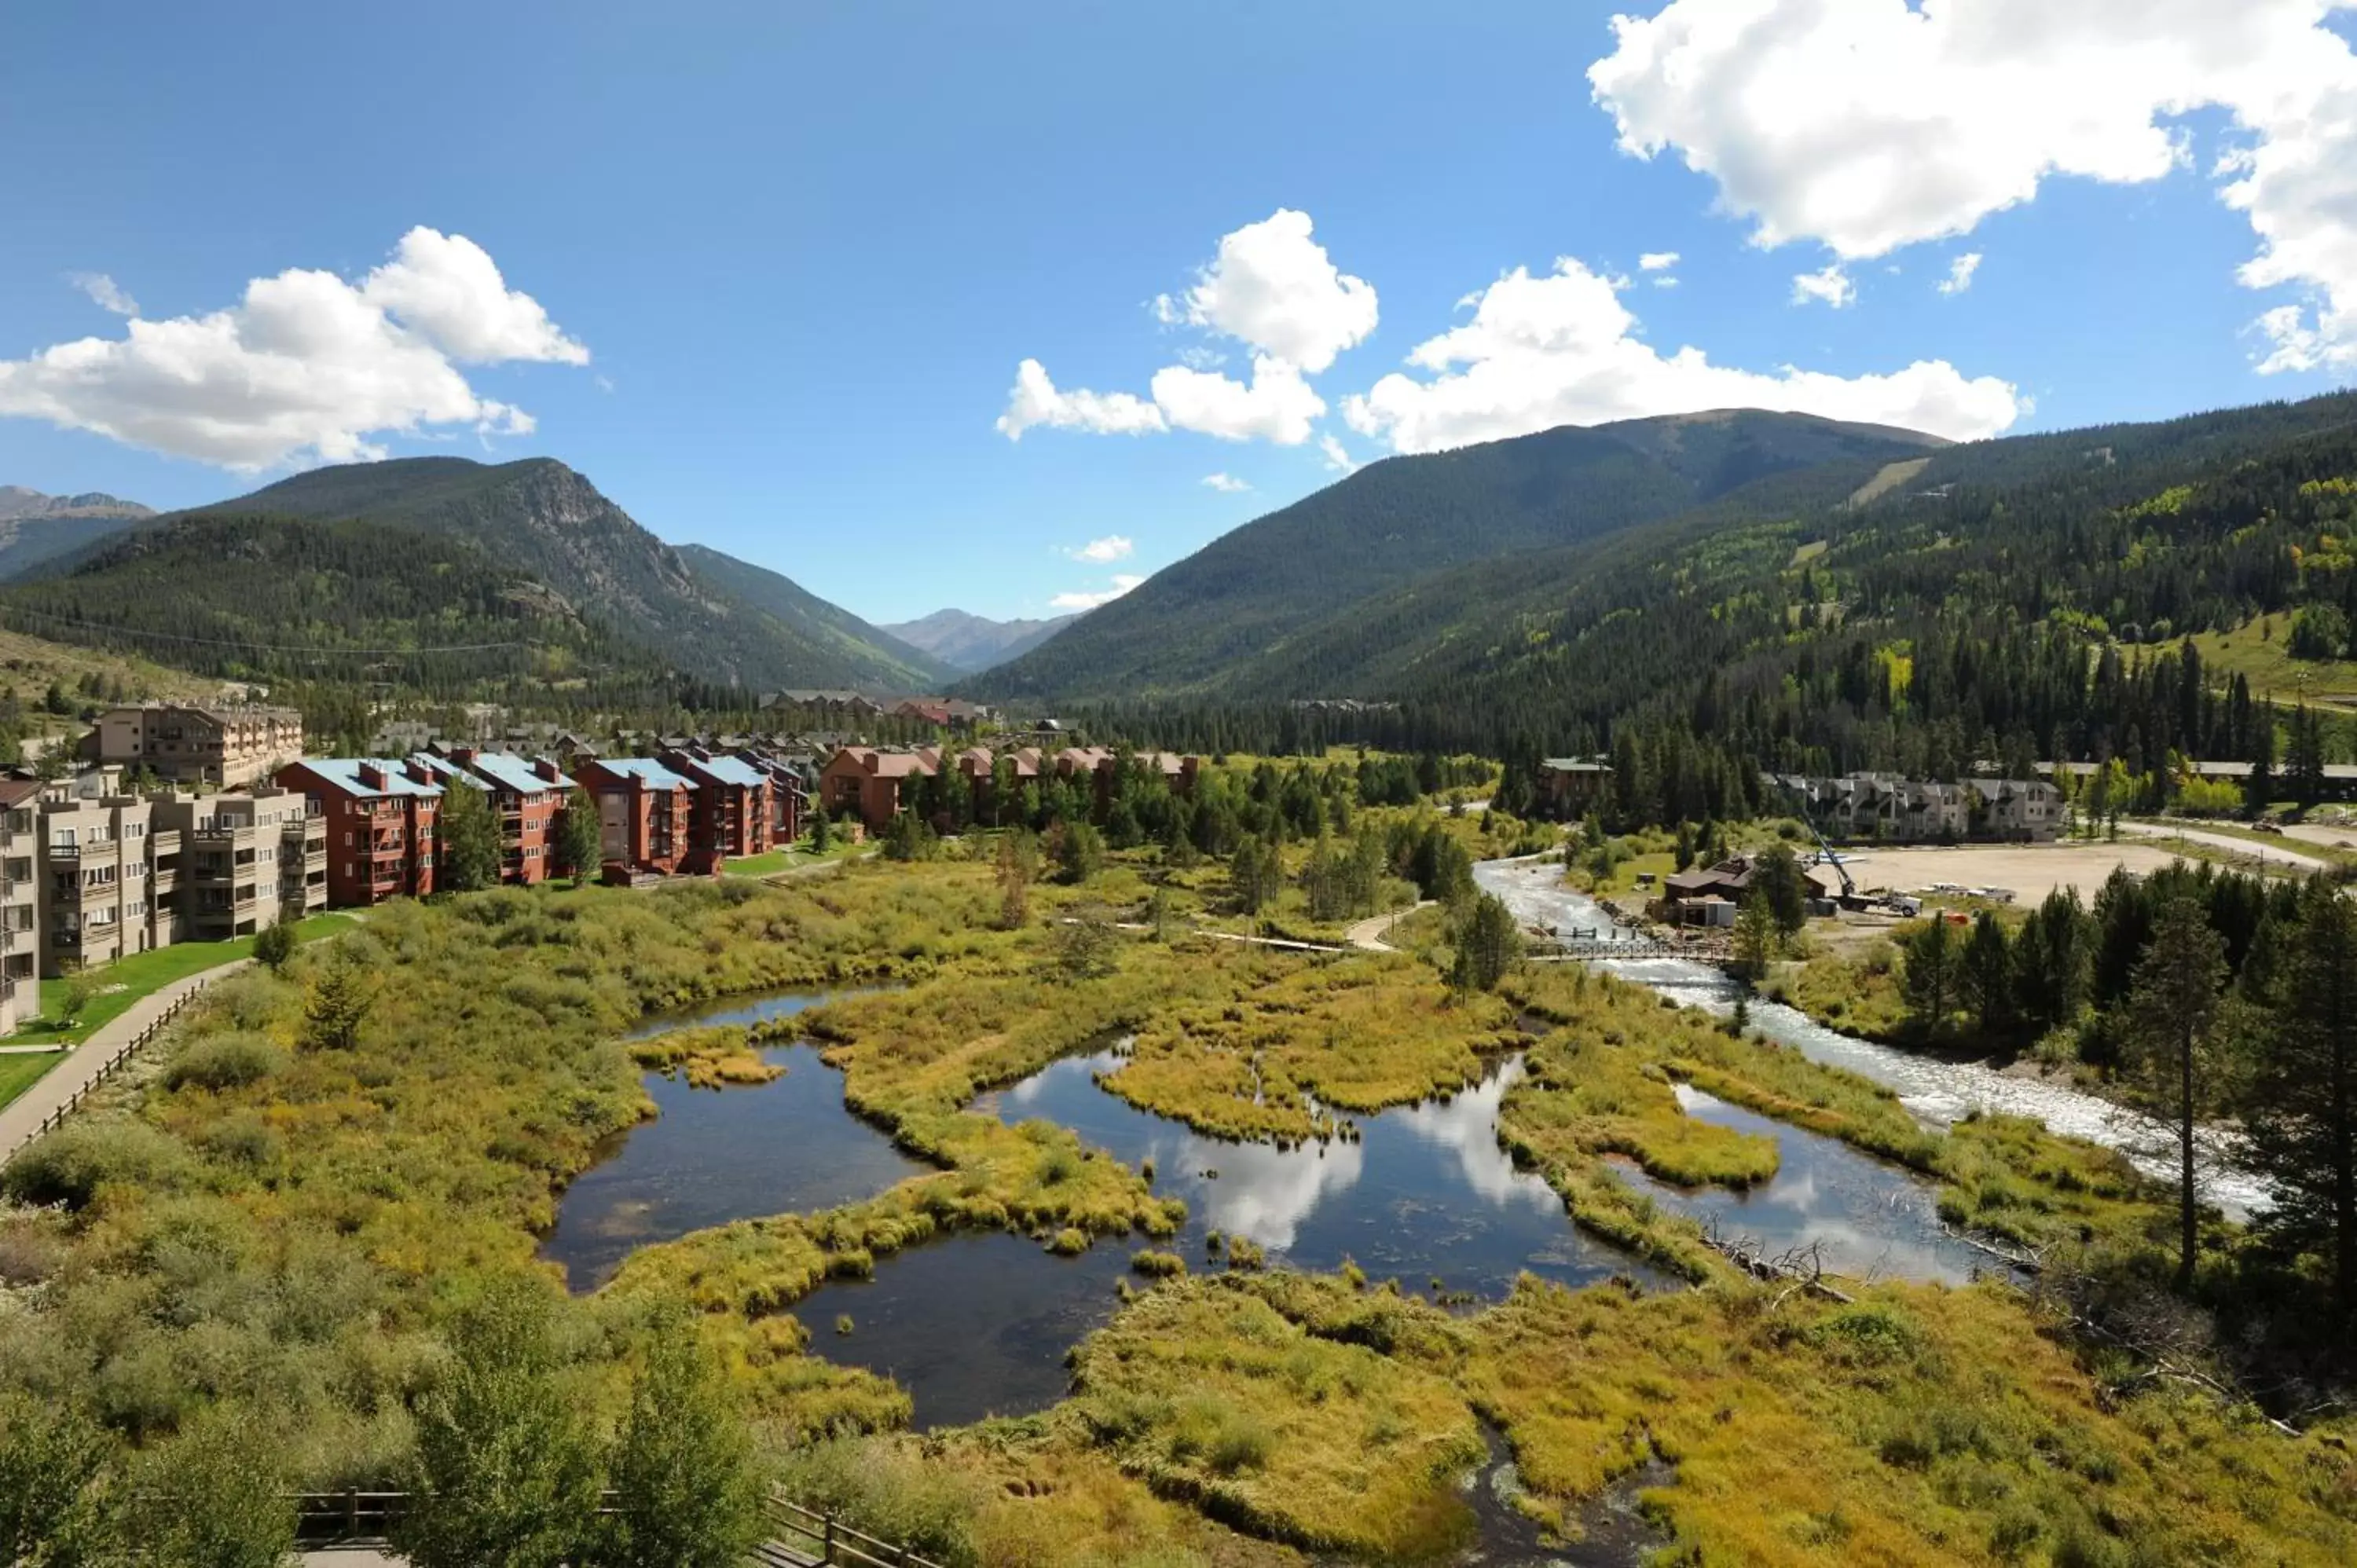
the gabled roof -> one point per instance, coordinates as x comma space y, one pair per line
344, 773
515, 773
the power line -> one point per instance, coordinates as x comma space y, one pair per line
247, 643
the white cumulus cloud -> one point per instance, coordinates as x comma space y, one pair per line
1036, 399
1960, 272
1226, 484
1112, 547
1562, 349
1830, 287
104, 293
1337, 457
1273, 286
1084, 600
1657, 261
1872, 125
445, 287
1276, 405
305, 367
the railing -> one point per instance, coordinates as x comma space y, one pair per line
122, 1053
799, 1535
833, 1541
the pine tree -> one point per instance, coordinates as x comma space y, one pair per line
1487, 944
2174, 1070
2303, 1101
1927, 973
1985, 977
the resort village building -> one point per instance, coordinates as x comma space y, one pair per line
379, 813
228, 744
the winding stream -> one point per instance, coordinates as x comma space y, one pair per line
1938, 1091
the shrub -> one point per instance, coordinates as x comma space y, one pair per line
1159, 1264
687, 1494
224, 1061
70, 1164
274, 945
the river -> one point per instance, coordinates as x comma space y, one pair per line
1939, 1092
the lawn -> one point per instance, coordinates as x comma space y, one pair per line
779, 860
126, 980
18, 1073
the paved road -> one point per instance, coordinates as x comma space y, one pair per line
22, 1117
1369, 933
2267, 855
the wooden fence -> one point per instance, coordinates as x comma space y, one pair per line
800, 1537
107, 1068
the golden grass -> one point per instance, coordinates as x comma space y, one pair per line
711, 1058
1359, 1035
1209, 1393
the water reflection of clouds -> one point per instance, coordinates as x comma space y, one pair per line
1265, 1193
1467, 1127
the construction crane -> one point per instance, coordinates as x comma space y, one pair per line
1825, 856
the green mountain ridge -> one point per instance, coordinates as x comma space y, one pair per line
595, 593
1249, 596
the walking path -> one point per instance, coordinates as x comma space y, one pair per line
20, 1121
2267, 855
1369, 933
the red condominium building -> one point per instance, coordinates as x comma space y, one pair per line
527, 794
731, 814
645, 817
379, 816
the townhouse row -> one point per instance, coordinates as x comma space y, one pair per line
686, 812
873, 783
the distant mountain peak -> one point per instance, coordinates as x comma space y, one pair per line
18, 502
970, 642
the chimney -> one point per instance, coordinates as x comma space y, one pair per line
545, 767
464, 756
419, 772
372, 775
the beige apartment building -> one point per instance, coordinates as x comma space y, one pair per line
20, 903
240, 861
94, 847
227, 745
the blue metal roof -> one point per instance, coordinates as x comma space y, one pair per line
648, 771
514, 773
730, 770
345, 773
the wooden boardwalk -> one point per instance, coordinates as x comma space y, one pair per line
353, 1526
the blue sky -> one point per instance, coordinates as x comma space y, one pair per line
786, 260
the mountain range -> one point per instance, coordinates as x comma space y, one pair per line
1236, 614
35, 528
463, 570
974, 643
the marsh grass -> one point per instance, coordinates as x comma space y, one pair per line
1359, 1035
717, 1057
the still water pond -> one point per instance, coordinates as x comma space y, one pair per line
977, 1324
711, 1156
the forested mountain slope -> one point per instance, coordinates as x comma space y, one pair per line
533, 532
2012, 599
1382, 529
